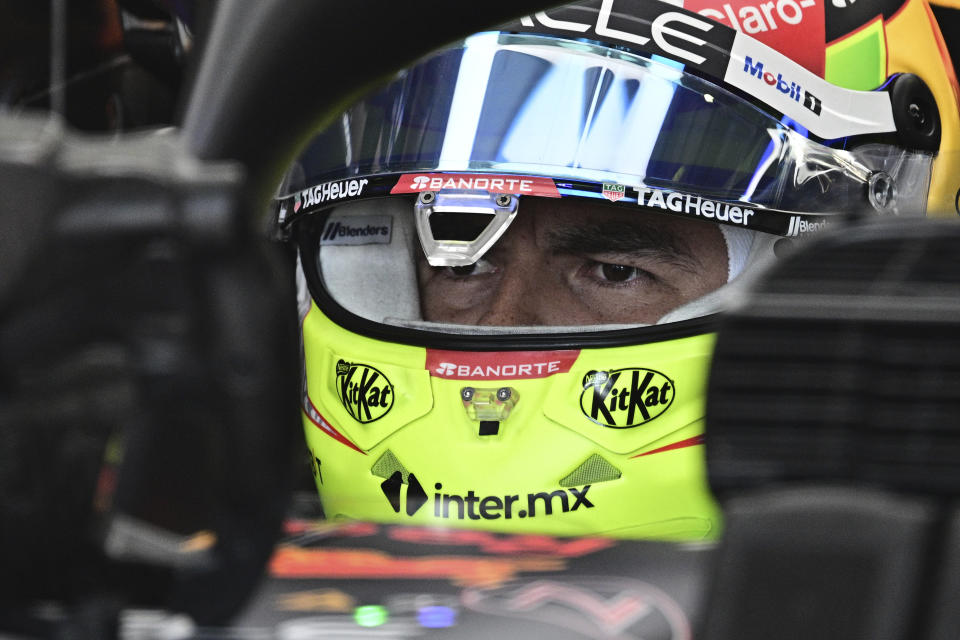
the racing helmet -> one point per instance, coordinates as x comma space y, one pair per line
511, 258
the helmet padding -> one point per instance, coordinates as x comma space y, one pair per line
375, 281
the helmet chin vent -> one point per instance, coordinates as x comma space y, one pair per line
387, 465
593, 470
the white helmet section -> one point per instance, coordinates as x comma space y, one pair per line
748, 253
367, 259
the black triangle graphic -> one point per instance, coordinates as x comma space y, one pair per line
391, 489
416, 496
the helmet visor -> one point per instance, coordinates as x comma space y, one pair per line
537, 105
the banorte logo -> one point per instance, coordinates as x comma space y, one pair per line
446, 369
624, 398
364, 391
520, 185
494, 365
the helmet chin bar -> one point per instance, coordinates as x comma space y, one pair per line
452, 250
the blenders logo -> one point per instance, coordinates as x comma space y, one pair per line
328, 192
357, 230
471, 506
799, 226
613, 191
790, 89
521, 185
624, 398
365, 392
694, 205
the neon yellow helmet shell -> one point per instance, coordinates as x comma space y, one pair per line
557, 465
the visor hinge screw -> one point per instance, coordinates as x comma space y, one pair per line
467, 394
881, 191
426, 197
917, 115
503, 394
502, 200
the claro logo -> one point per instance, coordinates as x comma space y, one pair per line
365, 392
624, 398
471, 506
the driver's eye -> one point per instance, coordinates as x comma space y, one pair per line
478, 268
617, 272
464, 270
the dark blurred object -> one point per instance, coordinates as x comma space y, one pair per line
123, 66
162, 38
852, 348
947, 13
91, 55
148, 391
832, 440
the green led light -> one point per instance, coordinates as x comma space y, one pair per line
371, 615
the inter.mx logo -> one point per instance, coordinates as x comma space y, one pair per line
474, 507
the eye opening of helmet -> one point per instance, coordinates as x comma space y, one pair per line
458, 226
308, 232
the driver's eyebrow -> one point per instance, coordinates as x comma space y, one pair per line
625, 237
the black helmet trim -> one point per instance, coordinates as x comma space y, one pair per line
669, 201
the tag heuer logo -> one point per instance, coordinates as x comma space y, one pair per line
613, 191
365, 392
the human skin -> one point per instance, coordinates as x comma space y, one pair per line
569, 262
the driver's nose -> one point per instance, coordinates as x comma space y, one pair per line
515, 301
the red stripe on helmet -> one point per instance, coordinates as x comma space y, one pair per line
682, 444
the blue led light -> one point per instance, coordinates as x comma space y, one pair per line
436, 617
667, 61
590, 194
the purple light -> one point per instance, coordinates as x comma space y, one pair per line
436, 617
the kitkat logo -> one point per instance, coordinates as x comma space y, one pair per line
490, 365
520, 185
365, 392
625, 398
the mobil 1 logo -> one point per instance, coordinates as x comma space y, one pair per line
364, 391
624, 398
